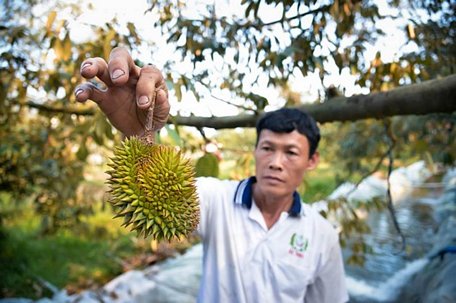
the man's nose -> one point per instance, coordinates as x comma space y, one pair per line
276, 161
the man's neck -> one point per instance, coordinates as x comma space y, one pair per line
272, 207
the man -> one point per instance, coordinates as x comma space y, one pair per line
261, 243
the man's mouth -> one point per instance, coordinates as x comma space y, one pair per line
273, 179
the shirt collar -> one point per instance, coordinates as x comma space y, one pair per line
244, 191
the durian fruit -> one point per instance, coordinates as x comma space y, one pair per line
152, 186
207, 166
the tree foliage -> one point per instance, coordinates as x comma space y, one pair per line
43, 153
306, 36
311, 37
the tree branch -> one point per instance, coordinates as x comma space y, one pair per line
299, 16
60, 109
433, 96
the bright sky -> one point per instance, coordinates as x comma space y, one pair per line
133, 11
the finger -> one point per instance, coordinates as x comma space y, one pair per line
121, 66
96, 67
89, 91
162, 101
162, 96
146, 89
162, 108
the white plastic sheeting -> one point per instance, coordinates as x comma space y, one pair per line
177, 279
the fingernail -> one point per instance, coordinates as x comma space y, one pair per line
78, 91
117, 73
86, 64
143, 100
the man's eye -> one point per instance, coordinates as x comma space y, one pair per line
292, 153
266, 148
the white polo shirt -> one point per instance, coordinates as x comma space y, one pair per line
297, 260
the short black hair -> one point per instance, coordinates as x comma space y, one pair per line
286, 120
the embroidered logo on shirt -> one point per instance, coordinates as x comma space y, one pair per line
298, 245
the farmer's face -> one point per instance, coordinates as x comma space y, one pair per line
281, 162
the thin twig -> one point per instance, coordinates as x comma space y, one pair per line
299, 16
203, 134
230, 103
390, 205
376, 168
149, 134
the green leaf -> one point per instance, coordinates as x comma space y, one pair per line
66, 48
82, 152
207, 166
107, 47
178, 91
50, 20
58, 49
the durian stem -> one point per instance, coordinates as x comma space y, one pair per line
149, 134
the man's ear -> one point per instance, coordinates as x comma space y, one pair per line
313, 161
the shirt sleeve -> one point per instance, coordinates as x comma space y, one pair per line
204, 197
212, 193
330, 284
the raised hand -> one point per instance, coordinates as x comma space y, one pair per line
130, 92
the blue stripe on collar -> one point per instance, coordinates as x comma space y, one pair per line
295, 209
243, 194
244, 191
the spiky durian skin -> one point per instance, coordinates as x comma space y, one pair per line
153, 188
